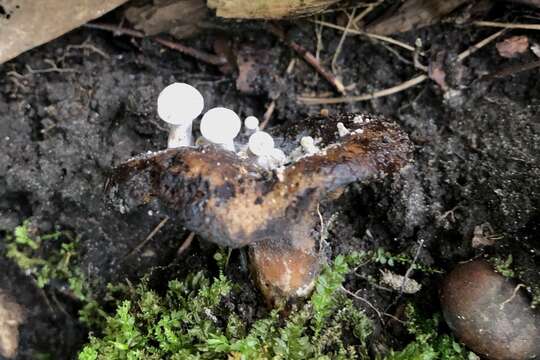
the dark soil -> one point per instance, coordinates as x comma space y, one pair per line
477, 157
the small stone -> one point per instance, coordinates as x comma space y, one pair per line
489, 313
11, 316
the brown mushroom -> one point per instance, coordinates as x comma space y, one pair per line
489, 313
230, 201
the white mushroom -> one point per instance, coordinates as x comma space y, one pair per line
342, 130
261, 144
220, 126
251, 123
178, 105
308, 145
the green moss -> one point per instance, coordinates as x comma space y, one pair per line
504, 266
429, 343
189, 322
54, 258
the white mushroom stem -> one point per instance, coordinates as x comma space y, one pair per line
251, 123
180, 135
220, 126
178, 105
308, 145
342, 130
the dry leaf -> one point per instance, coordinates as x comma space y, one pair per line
513, 46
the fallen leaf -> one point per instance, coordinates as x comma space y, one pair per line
513, 46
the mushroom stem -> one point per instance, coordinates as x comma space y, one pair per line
180, 135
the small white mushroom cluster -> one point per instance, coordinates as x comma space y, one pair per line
179, 104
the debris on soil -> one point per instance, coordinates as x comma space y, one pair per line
31, 23
11, 317
513, 46
489, 313
400, 282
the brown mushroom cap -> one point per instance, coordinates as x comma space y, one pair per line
232, 202
489, 314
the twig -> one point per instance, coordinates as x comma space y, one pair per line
507, 25
369, 35
377, 94
511, 70
268, 114
197, 54
342, 40
186, 244
366, 11
465, 54
358, 297
411, 267
514, 293
309, 58
394, 89
149, 237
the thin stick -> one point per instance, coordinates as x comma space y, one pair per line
309, 58
514, 293
186, 244
197, 54
507, 25
342, 40
465, 54
149, 237
411, 267
377, 94
369, 35
358, 297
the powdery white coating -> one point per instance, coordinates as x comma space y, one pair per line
261, 143
179, 103
251, 123
220, 126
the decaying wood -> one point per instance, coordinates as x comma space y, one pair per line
414, 14
30, 23
179, 18
267, 9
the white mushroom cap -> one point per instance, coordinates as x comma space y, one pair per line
251, 123
179, 104
261, 143
307, 142
220, 126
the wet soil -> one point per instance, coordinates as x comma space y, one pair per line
477, 157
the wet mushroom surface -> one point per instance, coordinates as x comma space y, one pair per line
232, 202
